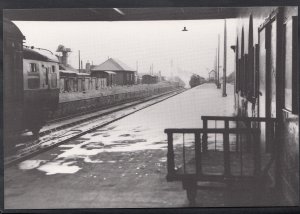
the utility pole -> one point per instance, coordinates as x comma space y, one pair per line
224, 61
218, 63
79, 61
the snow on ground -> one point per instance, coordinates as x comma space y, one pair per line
143, 130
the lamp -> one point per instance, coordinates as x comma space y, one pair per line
184, 29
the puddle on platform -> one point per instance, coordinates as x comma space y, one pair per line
30, 164
59, 167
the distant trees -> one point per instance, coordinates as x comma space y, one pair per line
196, 80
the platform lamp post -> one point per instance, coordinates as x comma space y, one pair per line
218, 65
225, 55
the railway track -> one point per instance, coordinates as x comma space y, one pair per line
63, 133
86, 116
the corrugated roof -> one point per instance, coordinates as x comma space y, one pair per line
109, 72
82, 74
112, 64
38, 55
68, 67
67, 72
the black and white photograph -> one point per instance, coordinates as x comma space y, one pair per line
150, 107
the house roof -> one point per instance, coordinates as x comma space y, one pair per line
112, 64
68, 67
67, 72
82, 74
39, 55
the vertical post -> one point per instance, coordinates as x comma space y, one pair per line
237, 137
257, 155
198, 154
218, 63
216, 73
204, 136
215, 136
79, 61
226, 149
170, 157
224, 61
248, 137
183, 154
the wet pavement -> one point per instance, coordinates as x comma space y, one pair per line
120, 165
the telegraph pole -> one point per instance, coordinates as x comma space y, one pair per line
79, 60
218, 64
224, 61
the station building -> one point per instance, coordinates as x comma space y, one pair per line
115, 71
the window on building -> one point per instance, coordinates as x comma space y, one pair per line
53, 69
33, 67
291, 65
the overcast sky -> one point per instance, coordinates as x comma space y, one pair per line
145, 42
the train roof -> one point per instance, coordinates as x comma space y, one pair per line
10, 29
39, 55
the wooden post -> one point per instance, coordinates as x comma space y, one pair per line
79, 61
256, 154
204, 137
170, 157
224, 60
218, 63
198, 154
226, 148
248, 137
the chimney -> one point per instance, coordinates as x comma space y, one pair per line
88, 67
64, 58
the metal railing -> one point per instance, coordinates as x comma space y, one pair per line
250, 129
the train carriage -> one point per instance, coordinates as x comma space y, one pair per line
31, 83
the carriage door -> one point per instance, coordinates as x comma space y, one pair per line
267, 76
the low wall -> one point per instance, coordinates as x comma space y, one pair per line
84, 105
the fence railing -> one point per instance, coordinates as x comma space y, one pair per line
250, 130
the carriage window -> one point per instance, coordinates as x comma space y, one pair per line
291, 63
33, 67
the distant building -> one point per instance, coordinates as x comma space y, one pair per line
212, 76
116, 72
149, 79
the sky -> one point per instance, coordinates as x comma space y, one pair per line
139, 44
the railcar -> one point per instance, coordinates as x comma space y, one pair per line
31, 83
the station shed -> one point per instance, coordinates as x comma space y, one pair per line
115, 71
149, 79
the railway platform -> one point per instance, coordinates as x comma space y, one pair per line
122, 164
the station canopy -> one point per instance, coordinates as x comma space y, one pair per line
110, 72
120, 14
